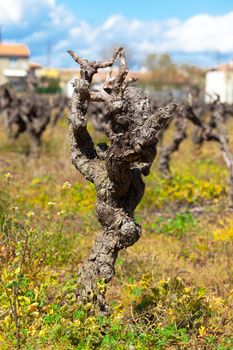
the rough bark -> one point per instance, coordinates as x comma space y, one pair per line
59, 105
166, 152
223, 139
115, 169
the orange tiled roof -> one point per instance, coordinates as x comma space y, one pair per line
14, 50
224, 66
35, 65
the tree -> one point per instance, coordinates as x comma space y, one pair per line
115, 169
151, 62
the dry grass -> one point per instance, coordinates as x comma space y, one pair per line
180, 219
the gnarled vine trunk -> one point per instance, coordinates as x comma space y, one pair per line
27, 113
115, 169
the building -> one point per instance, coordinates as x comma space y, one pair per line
219, 81
14, 63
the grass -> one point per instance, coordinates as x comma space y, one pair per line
173, 289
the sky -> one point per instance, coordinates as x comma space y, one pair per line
194, 31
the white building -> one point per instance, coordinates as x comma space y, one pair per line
220, 81
14, 62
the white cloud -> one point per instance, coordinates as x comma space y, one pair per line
38, 22
60, 16
16, 11
198, 34
202, 33
10, 12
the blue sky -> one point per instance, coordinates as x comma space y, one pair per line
97, 11
198, 32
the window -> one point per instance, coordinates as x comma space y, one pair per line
13, 62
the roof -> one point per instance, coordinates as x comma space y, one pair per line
14, 50
224, 67
35, 65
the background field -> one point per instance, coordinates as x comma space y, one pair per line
173, 289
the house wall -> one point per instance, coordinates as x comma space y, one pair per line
229, 87
17, 63
12, 63
221, 83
